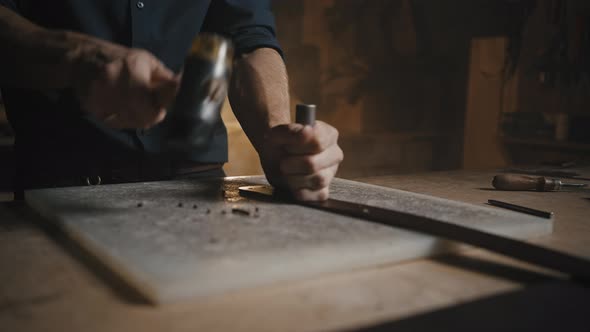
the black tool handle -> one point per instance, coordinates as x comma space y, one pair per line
520, 208
305, 114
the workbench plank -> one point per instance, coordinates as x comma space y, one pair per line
179, 239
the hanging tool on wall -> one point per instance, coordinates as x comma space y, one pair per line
564, 61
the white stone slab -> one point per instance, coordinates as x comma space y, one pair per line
170, 252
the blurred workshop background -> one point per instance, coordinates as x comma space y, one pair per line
420, 85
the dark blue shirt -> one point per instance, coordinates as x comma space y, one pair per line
52, 133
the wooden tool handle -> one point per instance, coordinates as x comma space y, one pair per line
524, 182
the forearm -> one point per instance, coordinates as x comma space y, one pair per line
259, 93
35, 57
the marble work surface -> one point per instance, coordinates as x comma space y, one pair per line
177, 240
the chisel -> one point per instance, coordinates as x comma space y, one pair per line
578, 268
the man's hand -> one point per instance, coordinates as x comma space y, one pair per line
128, 88
302, 159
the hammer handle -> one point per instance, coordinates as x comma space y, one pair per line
525, 182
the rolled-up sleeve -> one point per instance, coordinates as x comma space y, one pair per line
249, 24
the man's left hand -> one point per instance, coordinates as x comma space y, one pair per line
302, 159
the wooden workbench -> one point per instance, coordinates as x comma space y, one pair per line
45, 285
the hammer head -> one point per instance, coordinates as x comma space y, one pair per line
196, 112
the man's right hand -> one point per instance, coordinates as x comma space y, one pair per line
126, 88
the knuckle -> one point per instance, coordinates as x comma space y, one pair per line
130, 58
340, 155
138, 53
309, 164
315, 143
111, 70
318, 181
136, 57
162, 114
336, 133
323, 195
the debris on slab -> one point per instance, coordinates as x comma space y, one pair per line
246, 211
241, 211
232, 195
